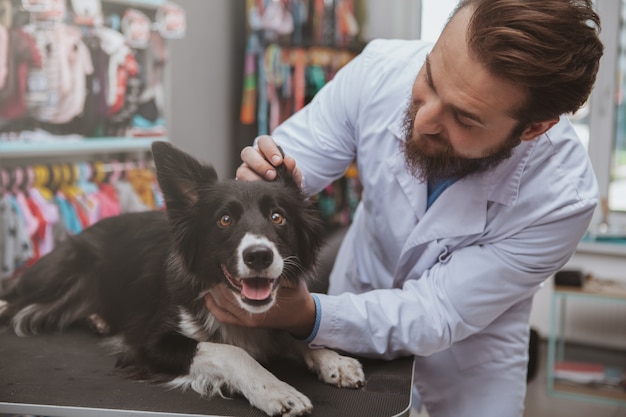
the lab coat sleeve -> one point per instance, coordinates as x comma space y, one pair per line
458, 296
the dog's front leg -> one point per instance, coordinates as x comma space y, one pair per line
217, 367
333, 368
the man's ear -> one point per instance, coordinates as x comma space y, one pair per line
537, 128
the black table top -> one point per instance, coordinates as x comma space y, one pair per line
71, 374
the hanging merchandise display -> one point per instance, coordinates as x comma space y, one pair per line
42, 204
87, 12
92, 68
136, 28
56, 93
51, 11
22, 56
72, 70
37, 6
294, 48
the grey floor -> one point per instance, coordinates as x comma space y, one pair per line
540, 404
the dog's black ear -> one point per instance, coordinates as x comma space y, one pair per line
284, 175
180, 175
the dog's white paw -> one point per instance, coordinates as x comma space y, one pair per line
335, 369
278, 398
3, 307
216, 366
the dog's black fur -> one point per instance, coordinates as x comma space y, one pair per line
143, 276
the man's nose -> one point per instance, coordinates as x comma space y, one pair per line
428, 118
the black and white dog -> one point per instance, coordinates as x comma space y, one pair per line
142, 278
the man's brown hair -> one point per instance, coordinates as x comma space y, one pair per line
549, 47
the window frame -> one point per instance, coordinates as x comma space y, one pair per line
602, 107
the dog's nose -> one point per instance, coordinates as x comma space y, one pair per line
258, 257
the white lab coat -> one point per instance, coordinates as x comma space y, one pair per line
453, 284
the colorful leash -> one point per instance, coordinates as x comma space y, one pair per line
299, 78
274, 79
262, 92
249, 95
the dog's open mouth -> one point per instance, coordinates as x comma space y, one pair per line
257, 289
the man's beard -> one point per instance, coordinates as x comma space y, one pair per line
445, 163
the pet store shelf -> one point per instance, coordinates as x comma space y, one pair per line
137, 3
599, 394
10, 150
615, 247
589, 382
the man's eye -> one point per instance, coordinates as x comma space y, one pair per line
428, 81
225, 221
460, 123
278, 218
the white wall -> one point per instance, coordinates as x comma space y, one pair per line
202, 76
435, 14
393, 19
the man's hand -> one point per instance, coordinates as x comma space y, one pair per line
260, 163
294, 310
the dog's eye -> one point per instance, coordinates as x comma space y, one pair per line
278, 218
225, 220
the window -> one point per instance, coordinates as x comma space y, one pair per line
435, 14
607, 118
617, 173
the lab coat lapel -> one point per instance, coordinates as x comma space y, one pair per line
460, 210
415, 190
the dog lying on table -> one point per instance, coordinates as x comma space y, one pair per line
142, 277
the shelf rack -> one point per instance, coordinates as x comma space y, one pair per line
11, 150
556, 345
137, 3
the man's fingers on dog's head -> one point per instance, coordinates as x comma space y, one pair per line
244, 173
255, 161
269, 150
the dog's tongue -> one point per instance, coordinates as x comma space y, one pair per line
256, 288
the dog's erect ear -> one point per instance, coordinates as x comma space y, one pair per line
283, 175
179, 174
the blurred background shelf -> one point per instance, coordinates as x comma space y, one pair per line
10, 150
